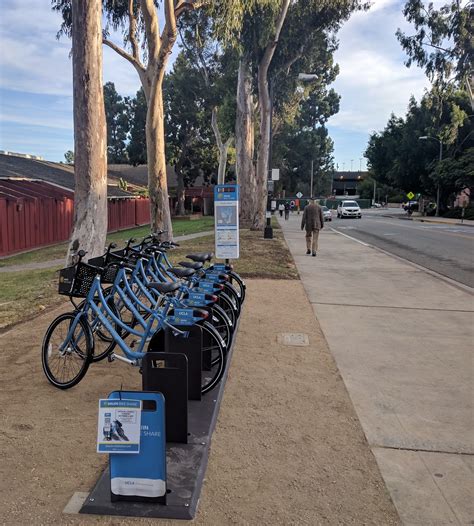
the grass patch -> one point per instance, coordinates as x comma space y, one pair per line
259, 258
180, 227
25, 294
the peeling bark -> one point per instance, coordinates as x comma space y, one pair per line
223, 147
160, 216
244, 143
258, 222
90, 135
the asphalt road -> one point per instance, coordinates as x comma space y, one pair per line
446, 249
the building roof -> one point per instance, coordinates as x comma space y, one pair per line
24, 167
16, 189
61, 175
351, 175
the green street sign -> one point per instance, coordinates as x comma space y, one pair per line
410, 195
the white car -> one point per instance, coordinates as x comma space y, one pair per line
348, 209
326, 213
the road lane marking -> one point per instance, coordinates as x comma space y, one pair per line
350, 237
424, 228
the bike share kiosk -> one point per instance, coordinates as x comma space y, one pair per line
132, 430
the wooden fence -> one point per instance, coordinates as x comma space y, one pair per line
36, 216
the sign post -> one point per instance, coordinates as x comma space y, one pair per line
226, 220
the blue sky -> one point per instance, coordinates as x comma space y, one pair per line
36, 80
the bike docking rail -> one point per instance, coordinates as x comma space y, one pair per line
183, 327
186, 457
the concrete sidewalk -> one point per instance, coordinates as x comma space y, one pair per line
402, 339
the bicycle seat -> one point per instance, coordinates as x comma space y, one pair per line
182, 272
201, 257
164, 288
194, 265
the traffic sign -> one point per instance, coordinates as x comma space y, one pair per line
410, 195
299, 195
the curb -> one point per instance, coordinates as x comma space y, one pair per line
441, 222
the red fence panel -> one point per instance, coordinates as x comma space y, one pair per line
35, 220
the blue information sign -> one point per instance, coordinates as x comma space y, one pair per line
226, 218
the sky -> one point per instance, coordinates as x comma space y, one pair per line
36, 80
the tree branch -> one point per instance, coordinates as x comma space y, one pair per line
215, 128
436, 47
152, 29
132, 31
184, 5
136, 63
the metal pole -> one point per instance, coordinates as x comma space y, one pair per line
437, 190
311, 191
375, 184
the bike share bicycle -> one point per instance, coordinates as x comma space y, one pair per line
70, 343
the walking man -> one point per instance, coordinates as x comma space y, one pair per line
313, 222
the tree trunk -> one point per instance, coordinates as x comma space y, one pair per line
90, 135
181, 195
160, 216
265, 123
244, 143
223, 147
262, 152
223, 151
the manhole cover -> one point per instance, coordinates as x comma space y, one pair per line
295, 339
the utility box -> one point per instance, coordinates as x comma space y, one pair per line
141, 477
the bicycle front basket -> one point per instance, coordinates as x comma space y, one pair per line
66, 280
77, 281
109, 273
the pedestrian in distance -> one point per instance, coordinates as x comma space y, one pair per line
312, 222
281, 209
287, 211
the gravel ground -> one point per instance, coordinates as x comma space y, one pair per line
288, 447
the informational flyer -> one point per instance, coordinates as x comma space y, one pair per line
119, 426
226, 217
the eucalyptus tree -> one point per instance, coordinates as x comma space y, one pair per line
117, 118
90, 161
443, 42
217, 68
187, 122
147, 49
277, 39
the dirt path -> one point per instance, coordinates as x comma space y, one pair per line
288, 448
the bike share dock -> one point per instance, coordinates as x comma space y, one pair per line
186, 464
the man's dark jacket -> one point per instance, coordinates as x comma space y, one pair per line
313, 218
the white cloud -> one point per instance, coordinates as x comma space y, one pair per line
373, 80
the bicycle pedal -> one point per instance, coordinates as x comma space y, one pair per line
111, 357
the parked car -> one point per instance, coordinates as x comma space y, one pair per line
349, 209
327, 213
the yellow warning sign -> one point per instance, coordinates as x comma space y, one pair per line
410, 195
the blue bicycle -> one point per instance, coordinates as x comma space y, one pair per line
69, 342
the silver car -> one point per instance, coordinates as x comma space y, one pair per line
349, 209
327, 213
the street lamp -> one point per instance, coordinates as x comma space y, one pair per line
307, 76
425, 138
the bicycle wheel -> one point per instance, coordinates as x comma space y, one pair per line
234, 296
239, 284
226, 303
221, 322
214, 359
104, 342
66, 360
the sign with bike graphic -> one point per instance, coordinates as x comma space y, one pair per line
226, 219
119, 426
